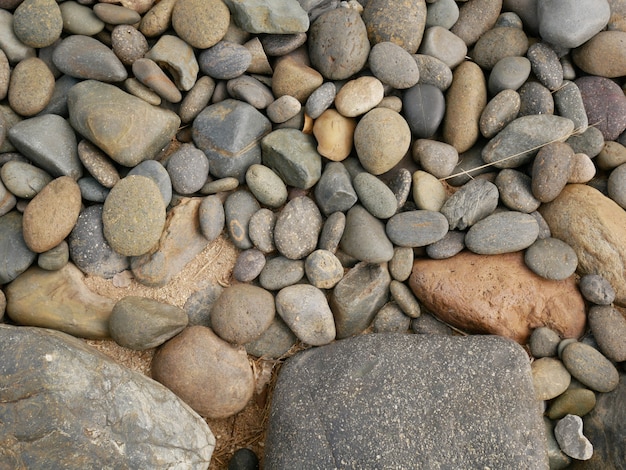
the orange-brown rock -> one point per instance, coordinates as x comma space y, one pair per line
497, 294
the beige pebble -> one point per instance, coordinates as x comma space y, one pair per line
334, 134
31, 86
358, 96
292, 77
581, 168
158, 19
259, 63
138, 89
283, 109
428, 192
612, 155
603, 55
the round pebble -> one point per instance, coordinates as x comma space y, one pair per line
605, 105
596, 289
320, 100
590, 367
393, 65
509, 73
551, 258
550, 378
38, 23
444, 45
500, 111
188, 168
268, 188
323, 269
128, 44
543, 342
249, 265
401, 265
581, 169
498, 43
200, 23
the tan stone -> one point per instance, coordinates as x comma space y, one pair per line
497, 294
595, 227
581, 169
296, 79
59, 300
334, 134
603, 55
358, 96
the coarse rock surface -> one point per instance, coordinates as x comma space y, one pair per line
82, 405
593, 225
400, 392
497, 294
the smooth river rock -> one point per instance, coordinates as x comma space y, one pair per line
497, 294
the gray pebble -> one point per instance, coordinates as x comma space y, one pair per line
550, 378
334, 191
375, 195
391, 319
401, 265
14, 251
474, 201
320, 100
509, 73
332, 231
297, 228
551, 258
616, 187
426, 324
91, 190
283, 109
364, 237
498, 43
238, 209
393, 65
199, 304
509, 19
138, 89
266, 186
590, 367
157, 173
323, 269
80, 19
544, 228
188, 168
196, 99
55, 258
249, 265
261, 230
87, 58
428, 192
535, 99
608, 326
14, 49
116, 14
23, 179
442, 13
499, 112
433, 71
405, 299
444, 45
250, 90
423, 108
543, 342
451, 244
273, 342
569, 104
550, 170
470, 166
400, 184
225, 60
58, 100
281, 272
282, 44
437, 158
516, 191
416, 228
596, 289
590, 142
502, 232
569, 434
546, 65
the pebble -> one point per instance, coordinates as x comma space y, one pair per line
543, 342
50, 216
473, 202
273, 342
211, 217
87, 58
442, 13
55, 258
238, 209
415, 101
405, 299
616, 185
58, 101
433, 71
451, 244
515, 190
297, 228
402, 24
375, 195
577, 401
141, 323
150, 74
400, 185
280, 272
359, 96
596, 289
133, 216
49, 142
116, 14
605, 105
612, 63
535, 99
282, 44
334, 134
31, 87
476, 18
80, 19
393, 65
498, 43
89, 249
416, 228
590, 367
242, 312
509, 73
551, 258
323, 269
364, 237
220, 185
428, 192
292, 155
98, 164
440, 43
158, 19
23, 179
38, 23
381, 138
391, 319
249, 90
499, 112
320, 100
466, 98
502, 232
401, 265
359, 295
201, 24
243, 459
545, 65
550, 170
296, 79
266, 186
18, 257
608, 326
550, 378
188, 169
305, 310
569, 434
196, 99
569, 104
5, 75
427, 324
520, 141
158, 174
199, 304
269, 16
261, 230
557, 17
91, 190
436, 158
591, 142
249, 265
14, 49
283, 109
332, 231
221, 387
225, 60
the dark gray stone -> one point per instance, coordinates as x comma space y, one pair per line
92, 412
427, 324
332, 231
87, 58
92, 191
544, 342
281, 272
590, 142
391, 319
473, 202
297, 228
546, 66
502, 232
590, 366
569, 104
13, 249
249, 265
515, 190
199, 304
243, 459
281, 44
320, 100
229, 133
313, 418
249, 90
375, 195
423, 106
364, 237
400, 185
238, 209
452, 243
188, 168
334, 191
261, 230
535, 99
225, 60
416, 228
509, 73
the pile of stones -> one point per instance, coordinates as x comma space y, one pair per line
379, 165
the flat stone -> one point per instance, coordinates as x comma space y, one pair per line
151, 75
141, 323
590, 367
305, 310
551, 258
332, 231
415, 101
282, 44
201, 24
437, 158
591, 224
569, 434
364, 237
212, 376
391, 319
608, 326
395, 390
18, 257
393, 65
297, 228
87, 58
197, 99
320, 100
271, 17
229, 133
502, 232
92, 191
359, 295
604, 103
569, 104
59, 300
250, 90
590, 142
282, 109
157, 19
98, 164
473, 202
497, 294
416, 228
116, 14
116, 425
125, 127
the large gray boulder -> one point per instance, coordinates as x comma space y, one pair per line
407, 401
65, 405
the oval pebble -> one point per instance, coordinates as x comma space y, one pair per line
281, 272
404, 298
424, 107
332, 231
31, 86
551, 258
451, 244
249, 265
128, 44
267, 186
428, 192
401, 265
375, 195
575, 401
393, 65
238, 209
543, 342
545, 65
323, 269
550, 378
500, 111
87, 58
282, 109
133, 215
515, 190
535, 99
297, 228
211, 217
188, 168
550, 170
80, 19
391, 319
261, 230
320, 100
358, 96
597, 289
498, 43
416, 228
503, 232
116, 14
590, 367
509, 73
433, 71
225, 60
608, 326
23, 179
437, 158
